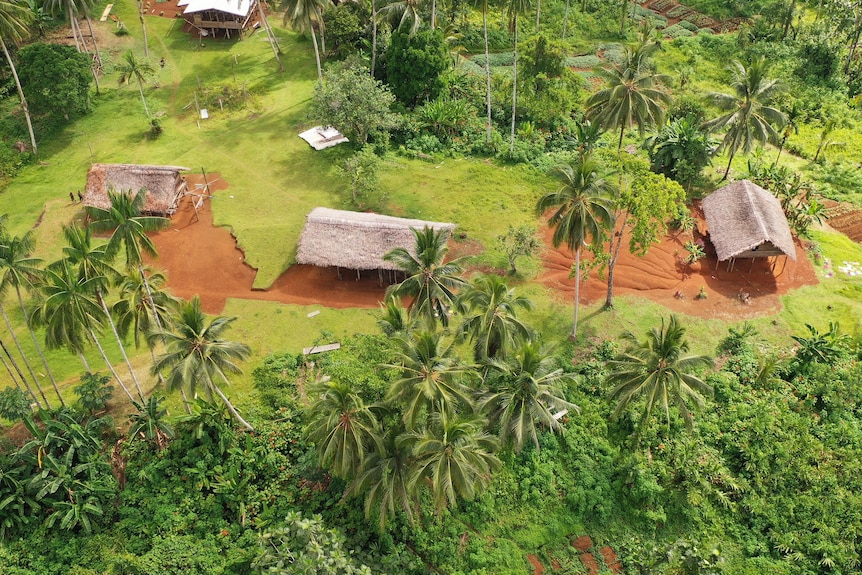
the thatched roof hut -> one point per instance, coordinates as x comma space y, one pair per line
356, 240
163, 184
746, 221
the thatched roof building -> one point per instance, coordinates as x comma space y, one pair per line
219, 16
163, 184
356, 240
746, 221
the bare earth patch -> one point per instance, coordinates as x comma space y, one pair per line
752, 289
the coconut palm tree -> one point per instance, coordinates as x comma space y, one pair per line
196, 356
430, 377
658, 370
515, 7
18, 269
401, 12
632, 95
747, 116
430, 282
71, 313
15, 16
384, 480
490, 311
141, 70
455, 456
393, 320
130, 230
343, 429
526, 391
302, 16
134, 308
150, 422
583, 212
93, 265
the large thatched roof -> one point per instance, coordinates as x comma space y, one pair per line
162, 183
355, 240
747, 221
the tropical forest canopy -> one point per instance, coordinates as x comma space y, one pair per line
475, 422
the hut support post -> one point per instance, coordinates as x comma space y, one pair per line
380, 277
357, 275
751, 267
338, 272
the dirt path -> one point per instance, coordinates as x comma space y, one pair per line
201, 259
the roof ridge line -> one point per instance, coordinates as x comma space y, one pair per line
756, 212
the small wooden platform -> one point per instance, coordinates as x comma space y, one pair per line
320, 348
106, 12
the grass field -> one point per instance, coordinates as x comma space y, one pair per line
275, 179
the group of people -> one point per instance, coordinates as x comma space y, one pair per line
80, 196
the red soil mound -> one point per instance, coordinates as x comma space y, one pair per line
751, 289
201, 259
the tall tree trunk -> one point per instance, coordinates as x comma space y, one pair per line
780, 149
12, 377
73, 27
566, 20
322, 25
143, 28
38, 347
120, 343
108, 363
788, 20
538, 11
623, 17
144, 100
730, 161
857, 31
269, 34
487, 68
577, 292
433, 14
20, 95
20, 375
612, 263
84, 362
316, 56
24, 356
230, 407
622, 133
93, 38
82, 47
373, 36
514, 85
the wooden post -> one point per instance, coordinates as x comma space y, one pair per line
206, 183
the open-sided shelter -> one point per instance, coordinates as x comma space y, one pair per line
357, 240
164, 186
215, 17
746, 221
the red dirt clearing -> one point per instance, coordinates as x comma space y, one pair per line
201, 259
662, 277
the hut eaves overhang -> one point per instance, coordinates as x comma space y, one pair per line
357, 240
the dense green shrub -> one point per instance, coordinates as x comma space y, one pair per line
678, 31
56, 80
414, 65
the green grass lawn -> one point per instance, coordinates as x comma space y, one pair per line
275, 179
